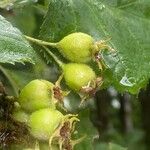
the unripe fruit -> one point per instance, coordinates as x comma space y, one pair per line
20, 116
76, 47
42, 123
36, 95
78, 75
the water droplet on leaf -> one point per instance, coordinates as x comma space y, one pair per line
125, 81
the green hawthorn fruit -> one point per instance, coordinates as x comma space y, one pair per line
42, 123
78, 75
20, 116
37, 94
76, 47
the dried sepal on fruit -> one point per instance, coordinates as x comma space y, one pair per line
63, 134
90, 89
98, 48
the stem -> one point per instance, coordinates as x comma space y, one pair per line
40, 42
43, 44
60, 63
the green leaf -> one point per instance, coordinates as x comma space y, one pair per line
19, 19
126, 22
13, 46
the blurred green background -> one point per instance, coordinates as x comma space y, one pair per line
119, 118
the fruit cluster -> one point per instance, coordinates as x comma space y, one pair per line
39, 99
36, 107
80, 50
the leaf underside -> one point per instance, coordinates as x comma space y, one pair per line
126, 22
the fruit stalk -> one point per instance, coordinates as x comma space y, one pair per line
40, 42
59, 62
43, 44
